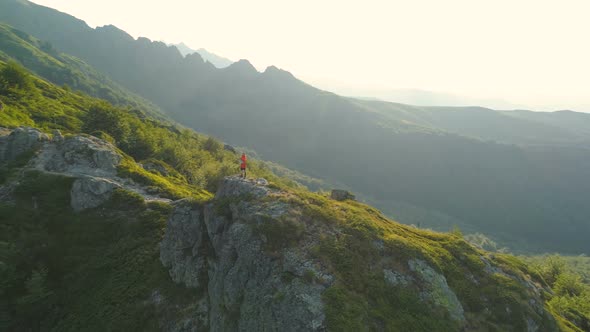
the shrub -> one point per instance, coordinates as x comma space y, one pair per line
279, 233
568, 284
14, 77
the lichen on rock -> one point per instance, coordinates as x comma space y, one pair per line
436, 289
89, 192
18, 141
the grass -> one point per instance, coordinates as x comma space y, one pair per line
164, 186
360, 299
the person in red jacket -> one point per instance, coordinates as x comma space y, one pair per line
243, 165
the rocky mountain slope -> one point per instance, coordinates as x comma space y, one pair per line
108, 221
520, 178
261, 256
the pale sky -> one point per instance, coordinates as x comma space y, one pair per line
528, 52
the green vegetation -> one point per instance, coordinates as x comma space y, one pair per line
361, 299
198, 162
65, 271
280, 233
64, 70
569, 280
510, 175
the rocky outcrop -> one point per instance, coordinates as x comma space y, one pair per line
16, 142
247, 287
235, 187
252, 279
79, 155
92, 162
341, 195
89, 192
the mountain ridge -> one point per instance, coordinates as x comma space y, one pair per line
517, 179
80, 251
216, 60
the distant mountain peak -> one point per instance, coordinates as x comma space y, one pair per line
274, 71
214, 59
242, 66
111, 29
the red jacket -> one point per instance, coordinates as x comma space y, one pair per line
243, 165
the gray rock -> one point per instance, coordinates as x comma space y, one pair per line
192, 318
235, 186
20, 140
247, 293
181, 250
80, 155
57, 136
396, 279
261, 182
89, 192
437, 290
245, 287
341, 195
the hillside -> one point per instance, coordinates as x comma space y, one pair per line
65, 70
521, 178
92, 238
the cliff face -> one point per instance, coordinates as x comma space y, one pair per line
263, 260
249, 285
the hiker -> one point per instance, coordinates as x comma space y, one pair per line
243, 166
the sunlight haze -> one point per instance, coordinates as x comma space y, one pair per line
531, 53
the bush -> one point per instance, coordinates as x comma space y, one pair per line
14, 77
568, 284
212, 145
279, 233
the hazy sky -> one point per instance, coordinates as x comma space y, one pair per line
528, 52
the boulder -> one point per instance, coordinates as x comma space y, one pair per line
80, 155
341, 195
89, 192
18, 141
